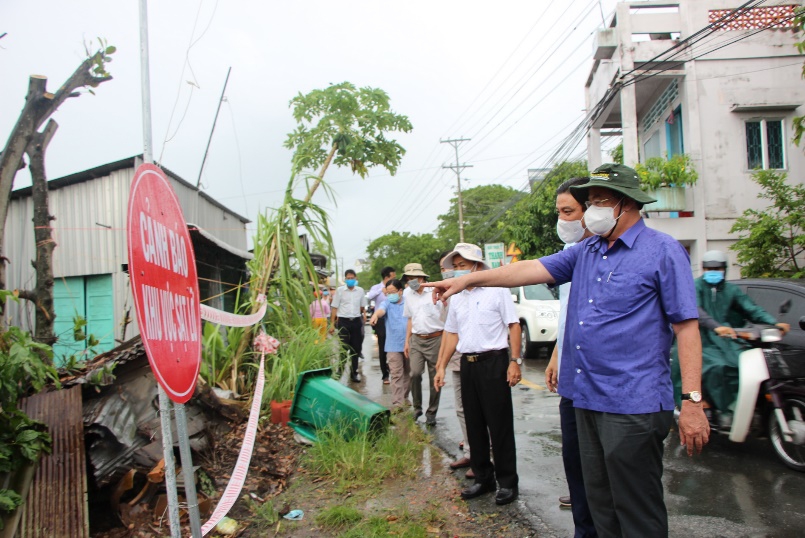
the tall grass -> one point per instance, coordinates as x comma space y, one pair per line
366, 458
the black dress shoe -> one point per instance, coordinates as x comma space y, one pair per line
506, 495
355, 378
477, 489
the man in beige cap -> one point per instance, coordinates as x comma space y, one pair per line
480, 323
423, 338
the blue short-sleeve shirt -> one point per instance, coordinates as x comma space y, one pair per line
396, 325
618, 334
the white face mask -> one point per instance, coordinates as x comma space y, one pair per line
569, 231
601, 220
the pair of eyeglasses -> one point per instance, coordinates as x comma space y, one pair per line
596, 203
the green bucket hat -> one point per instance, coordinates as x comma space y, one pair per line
620, 178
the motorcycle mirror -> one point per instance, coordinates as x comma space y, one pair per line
785, 307
802, 323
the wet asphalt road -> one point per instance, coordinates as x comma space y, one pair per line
731, 490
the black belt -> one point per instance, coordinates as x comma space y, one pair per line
348, 319
478, 357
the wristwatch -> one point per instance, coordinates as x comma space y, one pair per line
694, 396
518, 360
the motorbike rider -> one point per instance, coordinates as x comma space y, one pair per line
722, 307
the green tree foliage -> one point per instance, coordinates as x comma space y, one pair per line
349, 121
773, 239
531, 223
25, 365
617, 154
799, 121
398, 249
483, 207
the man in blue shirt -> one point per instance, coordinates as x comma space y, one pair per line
632, 292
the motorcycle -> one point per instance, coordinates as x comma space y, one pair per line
771, 395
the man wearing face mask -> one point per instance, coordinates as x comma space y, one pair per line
570, 229
482, 324
722, 306
348, 316
423, 338
376, 294
632, 293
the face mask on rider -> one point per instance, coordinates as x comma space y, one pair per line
601, 220
569, 231
713, 277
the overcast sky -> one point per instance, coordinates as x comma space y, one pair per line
509, 74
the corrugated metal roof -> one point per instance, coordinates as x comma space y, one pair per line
57, 501
107, 169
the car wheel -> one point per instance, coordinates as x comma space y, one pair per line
526, 347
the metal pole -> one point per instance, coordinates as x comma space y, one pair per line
170, 465
457, 168
214, 122
187, 470
145, 82
164, 402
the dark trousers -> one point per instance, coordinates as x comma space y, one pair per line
571, 457
488, 412
349, 331
621, 456
380, 331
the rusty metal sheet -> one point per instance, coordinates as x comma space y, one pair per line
57, 501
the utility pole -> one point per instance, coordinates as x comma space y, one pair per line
457, 168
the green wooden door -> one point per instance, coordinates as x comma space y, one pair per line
89, 297
100, 311
68, 302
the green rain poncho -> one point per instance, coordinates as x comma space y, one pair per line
721, 305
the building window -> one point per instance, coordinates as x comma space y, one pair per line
765, 144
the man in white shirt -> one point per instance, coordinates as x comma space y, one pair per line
480, 322
348, 315
423, 338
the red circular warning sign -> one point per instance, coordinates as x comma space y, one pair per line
162, 269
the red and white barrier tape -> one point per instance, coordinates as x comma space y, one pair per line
264, 344
220, 317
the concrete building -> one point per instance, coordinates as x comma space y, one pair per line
725, 96
90, 262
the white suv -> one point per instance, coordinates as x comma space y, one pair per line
538, 310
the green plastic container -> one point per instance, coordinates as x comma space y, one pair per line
319, 401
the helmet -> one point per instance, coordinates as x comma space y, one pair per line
714, 259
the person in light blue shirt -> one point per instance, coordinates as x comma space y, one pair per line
632, 293
392, 310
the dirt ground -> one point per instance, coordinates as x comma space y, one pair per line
428, 504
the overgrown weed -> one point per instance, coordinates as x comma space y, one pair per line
366, 458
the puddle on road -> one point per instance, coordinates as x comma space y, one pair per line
427, 469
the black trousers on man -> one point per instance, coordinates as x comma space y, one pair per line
621, 457
571, 457
380, 331
488, 412
349, 331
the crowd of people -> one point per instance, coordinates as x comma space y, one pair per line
633, 299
